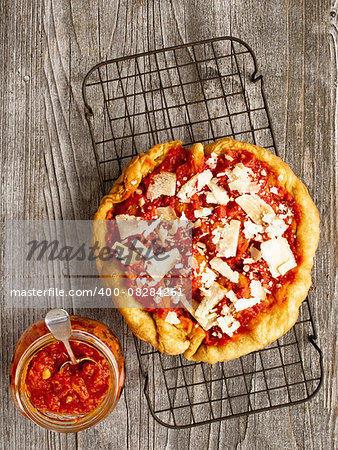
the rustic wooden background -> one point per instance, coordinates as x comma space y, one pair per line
47, 171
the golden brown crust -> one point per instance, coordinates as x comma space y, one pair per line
282, 315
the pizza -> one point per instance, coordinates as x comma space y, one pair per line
255, 231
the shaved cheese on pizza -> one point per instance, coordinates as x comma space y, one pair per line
194, 185
203, 212
172, 318
157, 268
163, 234
226, 239
188, 189
219, 193
228, 324
278, 255
203, 179
244, 303
210, 198
231, 296
239, 180
254, 207
205, 322
224, 269
127, 225
251, 230
166, 213
130, 225
164, 183
212, 160
276, 228
208, 277
288, 265
257, 290
211, 297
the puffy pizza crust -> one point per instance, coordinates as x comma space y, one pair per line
176, 339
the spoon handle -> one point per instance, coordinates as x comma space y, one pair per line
58, 323
70, 351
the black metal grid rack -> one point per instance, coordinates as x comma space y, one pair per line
197, 92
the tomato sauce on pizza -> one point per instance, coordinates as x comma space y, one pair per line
244, 235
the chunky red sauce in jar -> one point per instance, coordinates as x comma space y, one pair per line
76, 397
75, 389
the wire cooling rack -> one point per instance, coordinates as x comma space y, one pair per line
197, 92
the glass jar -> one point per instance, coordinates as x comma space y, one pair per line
86, 331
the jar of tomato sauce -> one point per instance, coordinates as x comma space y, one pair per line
74, 397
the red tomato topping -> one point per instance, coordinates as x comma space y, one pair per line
180, 161
76, 389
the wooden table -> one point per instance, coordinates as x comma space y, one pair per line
47, 171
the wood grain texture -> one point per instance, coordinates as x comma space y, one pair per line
47, 48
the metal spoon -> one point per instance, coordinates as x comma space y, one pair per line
58, 323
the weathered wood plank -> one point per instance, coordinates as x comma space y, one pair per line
22, 184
